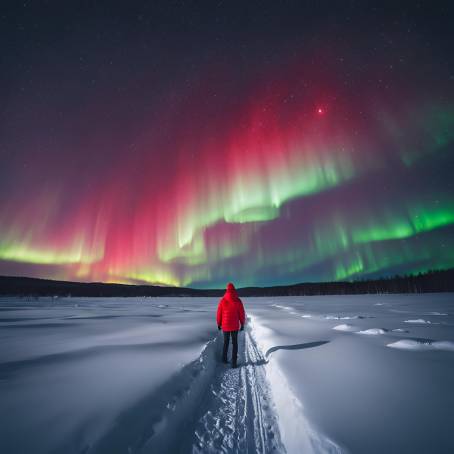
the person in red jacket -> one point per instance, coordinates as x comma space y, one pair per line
230, 318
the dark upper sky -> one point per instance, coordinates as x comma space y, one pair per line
192, 143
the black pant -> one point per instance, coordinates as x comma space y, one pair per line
227, 335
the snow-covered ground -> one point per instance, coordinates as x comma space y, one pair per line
316, 374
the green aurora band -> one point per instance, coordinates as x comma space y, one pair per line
308, 202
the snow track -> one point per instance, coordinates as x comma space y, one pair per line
208, 407
237, 414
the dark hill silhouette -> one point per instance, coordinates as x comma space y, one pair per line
431, 281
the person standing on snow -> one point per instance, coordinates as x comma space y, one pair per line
230, 316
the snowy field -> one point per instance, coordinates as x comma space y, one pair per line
358, 374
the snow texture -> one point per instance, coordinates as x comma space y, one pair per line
344, 327
143, 375
373, 331
420, 345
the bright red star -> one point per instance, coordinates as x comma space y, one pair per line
320, 110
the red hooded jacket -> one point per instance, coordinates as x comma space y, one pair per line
230, 310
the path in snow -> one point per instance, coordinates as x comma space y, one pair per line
208, 407
237, 414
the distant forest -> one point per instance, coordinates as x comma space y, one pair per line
431, 281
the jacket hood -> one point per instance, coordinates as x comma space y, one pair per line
231, 293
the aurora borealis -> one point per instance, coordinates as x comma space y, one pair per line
182, 146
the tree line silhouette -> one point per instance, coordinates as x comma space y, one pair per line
430, 281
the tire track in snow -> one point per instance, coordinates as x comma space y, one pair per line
237, 414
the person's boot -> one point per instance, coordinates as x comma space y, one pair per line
234, 365
224, 360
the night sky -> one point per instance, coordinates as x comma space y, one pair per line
195, 143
